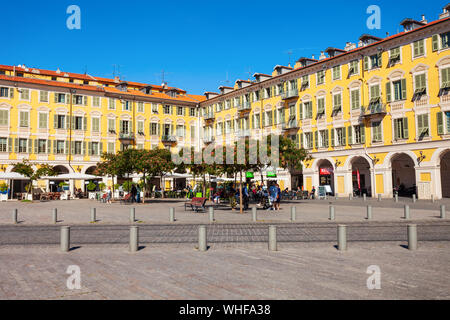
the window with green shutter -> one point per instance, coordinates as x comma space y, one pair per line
377, 135
308, 109
337, 103
394, 56
43, 120
423, 129
445, 78
320, 75
320, 107
353, 68
337, 73
355, 99
24, 117
445, 38
4, 117
418, 48
24, 94
111, 104
95, 124
401, 128
420, 85
43, 96
440, 122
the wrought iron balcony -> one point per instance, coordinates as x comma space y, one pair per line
292, 93
376, 109
168, 138
209, 116
208, 140
290, 125
245, 106
126, 136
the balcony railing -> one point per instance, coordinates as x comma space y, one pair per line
126, 136
291, 124
373, 110
209, 116
208, 140
168, 138
245, 106
292, 93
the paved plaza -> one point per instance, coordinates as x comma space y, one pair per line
227, 271
237, 265
157, 212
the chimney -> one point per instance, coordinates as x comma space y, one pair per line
445, 13
312, 57
423, 19
322, 55
349, 46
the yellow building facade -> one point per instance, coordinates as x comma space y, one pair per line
374, 116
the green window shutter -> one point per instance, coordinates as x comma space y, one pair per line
72, 147
435, 42
380, 59
89, 151
416, 48
84, 151
10, 144
84, 123
332, 137
301, 111
100, 148
55, 121
362, 130
366, 63
405, 128
55, 98
444, 77
73, 118
66, 147
344, 136
301, 140
49, 146
67, 98
403, 84
55, 143
316, 139
388, 92
350, 135
16, 145
11, 93
67, 122
36, 149
440, 123
396, 128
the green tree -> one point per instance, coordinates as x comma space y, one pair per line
25, 168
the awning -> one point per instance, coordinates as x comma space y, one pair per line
12, 176
72, 176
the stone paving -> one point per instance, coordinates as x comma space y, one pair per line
227, 271
157, 212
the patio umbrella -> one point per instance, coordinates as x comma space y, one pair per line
11, 176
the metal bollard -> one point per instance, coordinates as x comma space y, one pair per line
369, 212
272, 238
379, 197
331, 217
396, 198
350, 196
412, 236
132, 215
442, 211
14, 216
211, 214
202, 245
55, 215
406, 216
342, 237
432, 198
254, 214
65, 239
93, 215
134, 238
336, 197
414, 198
364, 197
293, 214
172, 214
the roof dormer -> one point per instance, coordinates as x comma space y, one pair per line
123, 86
173, 93
410, 24
445, 12
304, 62
242, 83
210, 95
279, 70
261, 77
147, 89
332, 52
367, 39
225, 90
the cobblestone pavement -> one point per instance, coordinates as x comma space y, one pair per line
227, 271
219, 233
157, 212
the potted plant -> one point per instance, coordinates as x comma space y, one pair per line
3, 191
102, 186
91, 188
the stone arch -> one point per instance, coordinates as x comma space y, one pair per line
443, 61
420, 67
349, 161
62, 169
396, 74
90, 170
388, 159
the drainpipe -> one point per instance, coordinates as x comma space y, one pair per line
72, 91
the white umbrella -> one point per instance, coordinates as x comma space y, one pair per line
12, 176
73, 176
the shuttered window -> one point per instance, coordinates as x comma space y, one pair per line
43, 120
95, 125
423, 129
43, 96
445, 78
337, 73
4, 117
24, 119
418, 48
401, 129
355, 99
377, 134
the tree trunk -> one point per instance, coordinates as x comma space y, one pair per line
143, 190
241, 209
162, 187
204, 186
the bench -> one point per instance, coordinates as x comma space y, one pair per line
195, 204
126, 199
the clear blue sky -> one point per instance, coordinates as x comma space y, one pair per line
196, 42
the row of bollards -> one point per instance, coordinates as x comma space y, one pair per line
272, 241
406, 215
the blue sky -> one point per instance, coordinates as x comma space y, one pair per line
197, 43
